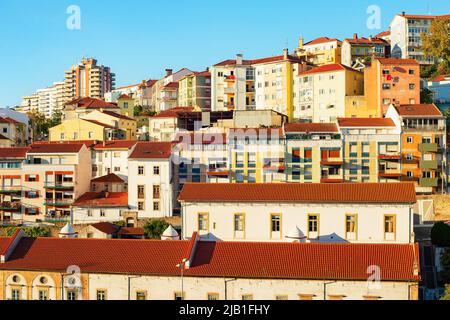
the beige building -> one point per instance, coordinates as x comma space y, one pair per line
320, 51
195, 91
88, 79
31, 269
127, 125
80, 107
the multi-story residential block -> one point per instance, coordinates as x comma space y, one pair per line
201, 157
256, 155
125, 124
356, 51
371, 149
29, 103
11, 189
80, 107
103, 206
141, 93
320, 51
164, 125
53, 176
88, 79
195, 91
84, 130
440, 88
423, 144
164, 92
126, 104
321, 93
385, 35
150, 180
22, 118
111, 157
391, 80
313, 153
109, 183
46, 101
14, 132
406, 30
304, 212
147, 269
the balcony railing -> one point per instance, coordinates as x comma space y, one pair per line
58, 202
390, 156
428, 147
10, 189
59, 185
428, 182
389, 173
332, 162
57, 219
10, 206
429, 164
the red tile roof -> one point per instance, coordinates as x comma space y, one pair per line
2, 137
91, 103
397, 61
299, 192
440, 78
105, 227
320, 40
173, 112
324, 261
102, 199
202, 73
422, 16
56, 148
367, 41
258, 61
117, 115
172, 85
125, 97
99, 123
88, 143
8, 120
111, 178
127, 231
366, 122
152, 150
311, 127
14, 152
327, 68
115, 144
418, 110
383, 34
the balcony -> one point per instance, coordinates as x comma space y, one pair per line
10, 189
428, 164
229, 90
230, 78
332, 162
59, 185
331, 179
389, 174
57, 219
390, 156
58, 202
428, 147
428, 182
11, 206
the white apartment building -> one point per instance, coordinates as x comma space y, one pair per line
147, 270
344, 213
406, 30
47, 101
95, 207
150, 180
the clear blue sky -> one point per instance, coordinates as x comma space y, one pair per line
138, 39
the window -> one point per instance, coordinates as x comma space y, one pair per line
155, 205
385, 71
389, 224
409, 157
350, 223
43, 295
281, 297
75, 135
178, 296
141, 170
247, 297
141, 206
213, 296
141, 295
313, 225
386, 86
15, 294
412, 86
275, 222
409, 139
203, 223
141, 192
32, 178
251, 176
411, 71
116, 169
239, 222
156, 171
102, 213
91, 135
409, 174
156, 192
101, 294
336, 297
71, 295
62, 136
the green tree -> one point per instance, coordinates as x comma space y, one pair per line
153, 229
39, 124
445, 263
446, 295
426, 96
436, 43
440, 234
446, 114
137, 110
31, 231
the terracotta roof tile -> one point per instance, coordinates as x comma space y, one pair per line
99, 123
397, 61
173, 112
418, 110
100, 199
320, 40
366, 122
367, 41
112, 178
299, 192
128, 231
383, 34
327, 68
105, 227
14, 152
152, 150
91, 103
217, 259
56, 148
172, 85
115, 144
311, 127
117, 115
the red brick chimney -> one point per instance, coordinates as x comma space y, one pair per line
355, 36
169, 72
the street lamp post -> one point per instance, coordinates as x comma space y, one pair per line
181, 266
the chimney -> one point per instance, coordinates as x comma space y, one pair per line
301, 43
169, 72
370, 37
11, 245
193, 242
285, 54
355, 36
403, 13
239, 58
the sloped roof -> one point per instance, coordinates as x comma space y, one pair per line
299, 192
366, 122
115, 144
173, 112
327, 68
111, 178
117, 115
15, 152
152, 150
91, 103
105, 227
397, 61
311, 127
55, 148
418, 110
102, 199
98, 123
321, 40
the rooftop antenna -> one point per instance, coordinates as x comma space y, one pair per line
429, 9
